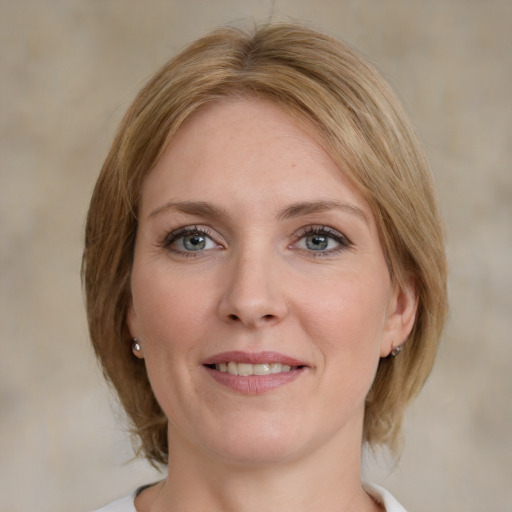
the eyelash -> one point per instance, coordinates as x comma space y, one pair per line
179, 233
342, 240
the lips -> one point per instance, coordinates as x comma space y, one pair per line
253, 373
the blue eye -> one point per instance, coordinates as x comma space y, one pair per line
189, 240
195, 242
321, 240
318, 242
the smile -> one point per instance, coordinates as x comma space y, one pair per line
251, 373
246, 369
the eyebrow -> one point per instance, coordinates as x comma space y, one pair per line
204, 209
199, 208
308, 208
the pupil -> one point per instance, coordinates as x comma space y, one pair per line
194, 242
317, 242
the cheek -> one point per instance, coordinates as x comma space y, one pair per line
347, 326
170, 322
166, 307
348, 310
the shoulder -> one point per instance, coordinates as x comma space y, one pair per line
383, 497
122, 505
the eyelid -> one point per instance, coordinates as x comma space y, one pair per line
175, 234
342, 239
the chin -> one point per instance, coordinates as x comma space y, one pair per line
267, 443
260, 452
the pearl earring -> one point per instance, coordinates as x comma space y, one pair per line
396, 350
136, 348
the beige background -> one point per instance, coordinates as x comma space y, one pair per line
67, 72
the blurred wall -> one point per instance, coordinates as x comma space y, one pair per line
68, 71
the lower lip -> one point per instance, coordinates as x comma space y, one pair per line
254, 384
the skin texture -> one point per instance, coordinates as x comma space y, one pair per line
261, 281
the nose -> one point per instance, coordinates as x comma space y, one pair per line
253, 292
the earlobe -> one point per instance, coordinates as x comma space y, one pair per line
137, 348
401, 317
131, 322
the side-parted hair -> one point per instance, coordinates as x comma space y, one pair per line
312, 77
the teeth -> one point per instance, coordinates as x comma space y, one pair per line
260, 369
275, 367
246, 369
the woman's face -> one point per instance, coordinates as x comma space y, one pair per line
261, 294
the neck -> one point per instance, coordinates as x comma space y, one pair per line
250, 490
328, 478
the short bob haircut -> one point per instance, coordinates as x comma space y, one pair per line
318, 80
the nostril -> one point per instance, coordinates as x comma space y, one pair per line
234, 317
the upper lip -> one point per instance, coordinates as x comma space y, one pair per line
239, 356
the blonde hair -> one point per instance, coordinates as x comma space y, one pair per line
362, 125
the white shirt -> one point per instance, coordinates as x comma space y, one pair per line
379, 494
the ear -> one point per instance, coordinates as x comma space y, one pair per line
401, 314
131, 322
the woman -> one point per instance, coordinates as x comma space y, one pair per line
262, 243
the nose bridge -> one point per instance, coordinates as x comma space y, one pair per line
252, 295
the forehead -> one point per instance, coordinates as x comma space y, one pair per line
226, 129
246, 144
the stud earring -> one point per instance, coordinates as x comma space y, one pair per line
396, 350
136, 348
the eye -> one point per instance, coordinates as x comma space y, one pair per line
319, 242
322, 240
196, 242
190, 240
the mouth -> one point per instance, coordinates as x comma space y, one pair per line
247, 369
253, 373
